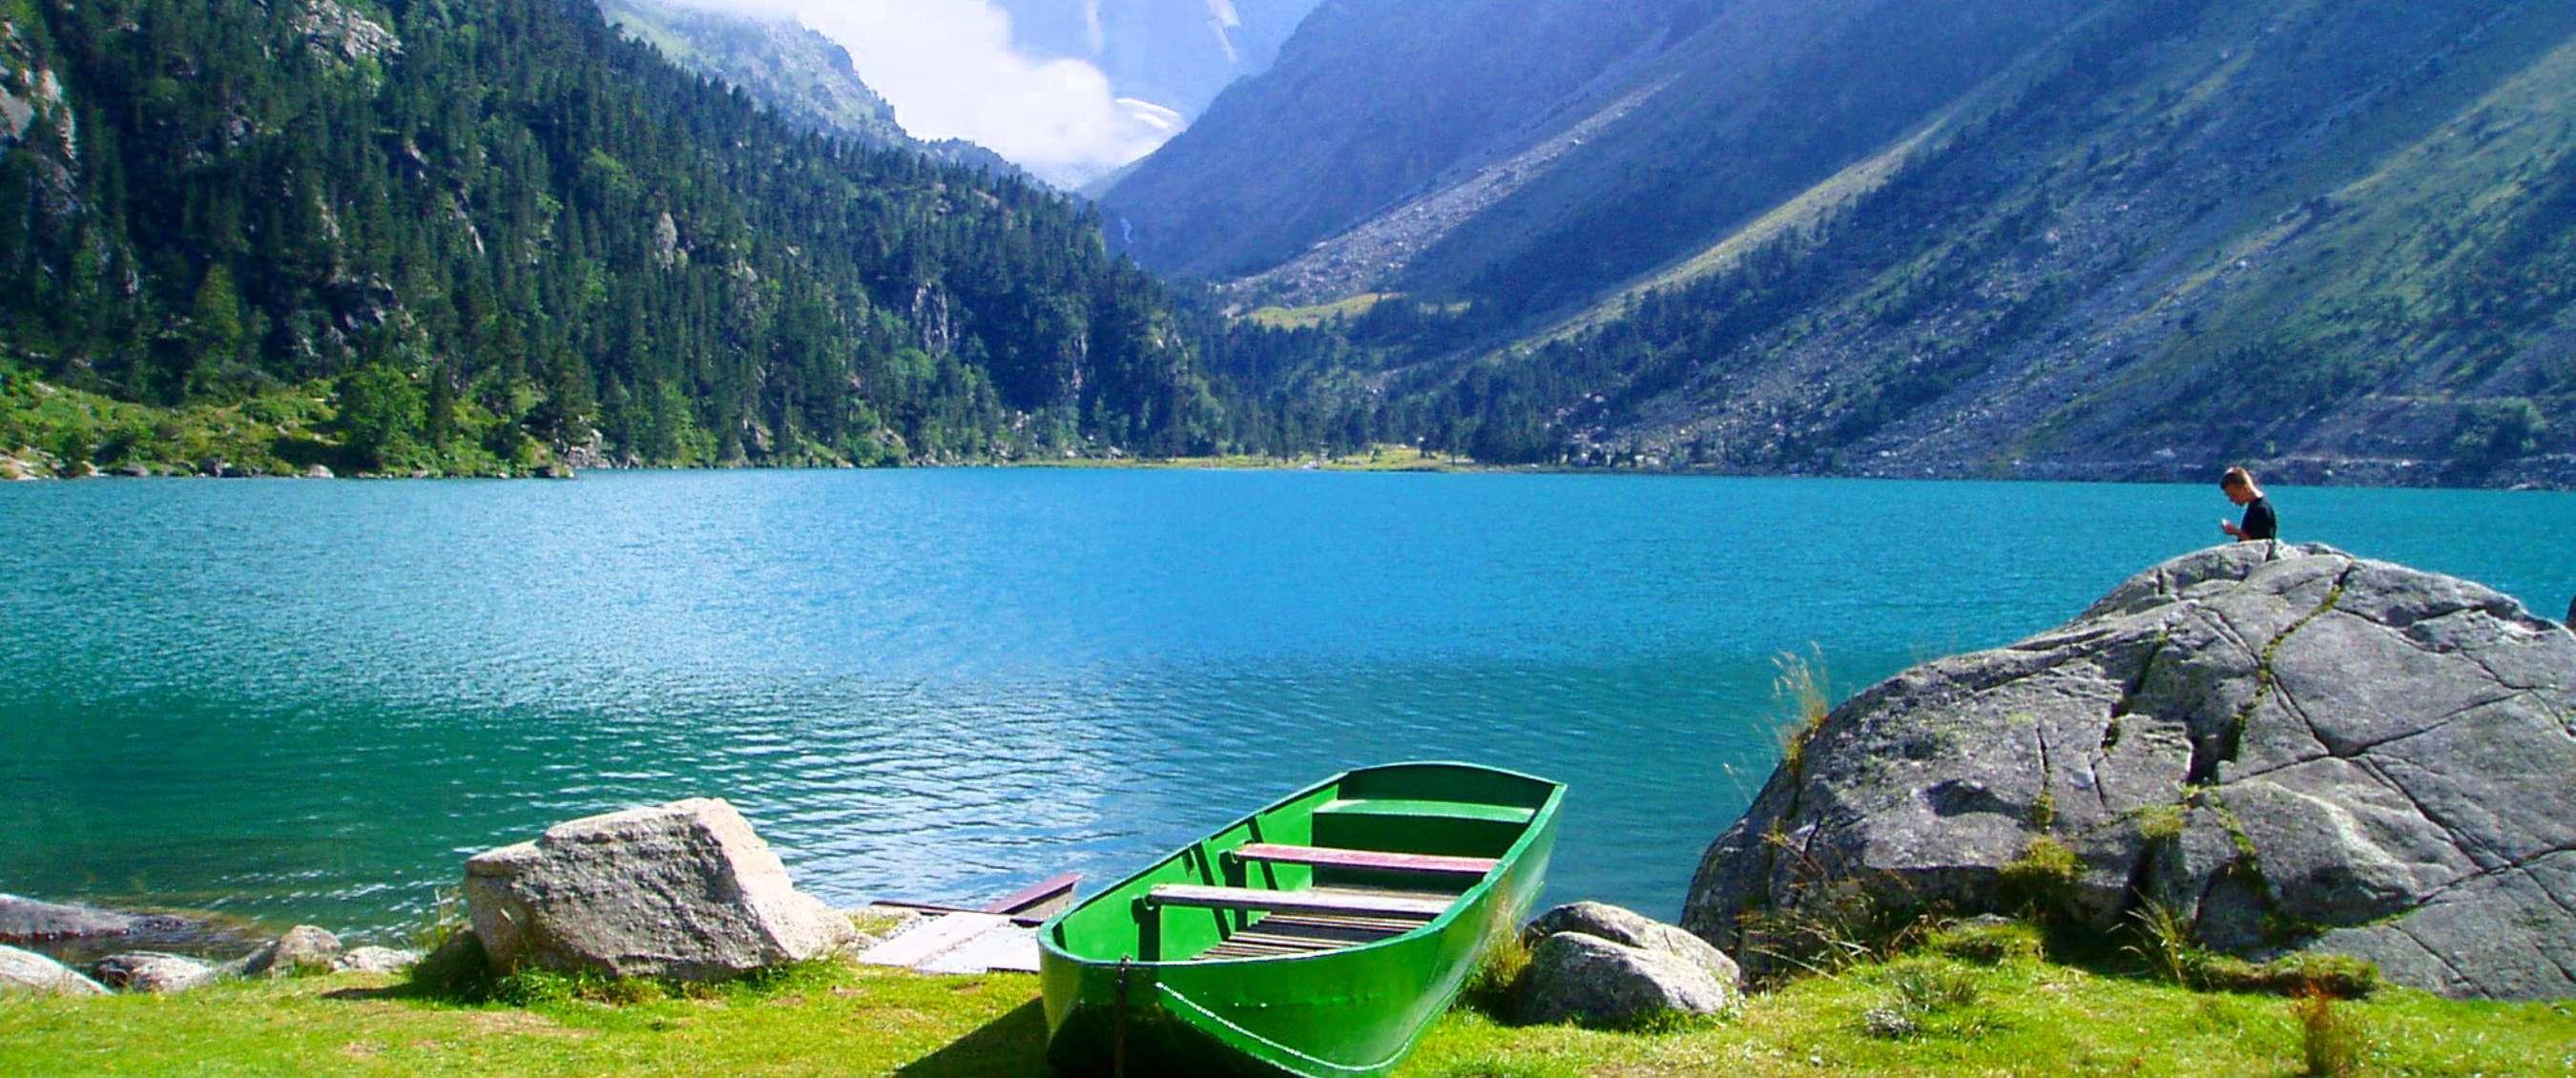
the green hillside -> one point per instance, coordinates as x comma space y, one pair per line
494, 230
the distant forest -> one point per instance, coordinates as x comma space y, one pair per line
482, 233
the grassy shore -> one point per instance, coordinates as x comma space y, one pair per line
2019, 1016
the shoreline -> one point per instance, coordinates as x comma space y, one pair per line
2287, 477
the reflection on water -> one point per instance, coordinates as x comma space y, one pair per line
297, 700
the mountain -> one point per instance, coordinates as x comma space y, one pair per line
471, 234
781, 63
2124, 239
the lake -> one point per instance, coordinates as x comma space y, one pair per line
292, 700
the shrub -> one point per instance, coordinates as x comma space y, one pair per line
1802, 685
2043, 878
1988, 943
2164, 942
2335, 976
2330, 1040
2163, 823
1927, 997
1495, 984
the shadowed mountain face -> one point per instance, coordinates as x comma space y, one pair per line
1370, 104
2043, 237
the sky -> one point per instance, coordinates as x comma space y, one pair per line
950, 70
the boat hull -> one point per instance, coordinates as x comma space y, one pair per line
1354, 1011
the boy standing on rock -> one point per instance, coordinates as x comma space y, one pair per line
2259, 521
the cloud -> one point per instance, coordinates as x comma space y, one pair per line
949, 69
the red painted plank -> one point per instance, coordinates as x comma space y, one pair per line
1054, 889
1328, 857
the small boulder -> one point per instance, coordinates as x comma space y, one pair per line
375, 960
303, 948
152, 971
682, 890
318, 471
1587, 979
27, 971
1629, 928
133, 471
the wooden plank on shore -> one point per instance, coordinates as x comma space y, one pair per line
1008, 948
1250, 898
1333, 857
932, 938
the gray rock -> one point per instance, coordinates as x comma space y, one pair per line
375, 960
26, 920
133, 471
318, 471
303, 949
2291, 748
681, 890
27, 971
1583, 978
152, 971
1632, 929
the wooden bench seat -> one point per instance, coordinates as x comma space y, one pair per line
1378, 860
1308, 901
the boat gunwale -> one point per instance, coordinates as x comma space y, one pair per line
1540, 817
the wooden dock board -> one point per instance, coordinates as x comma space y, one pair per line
1009, 948
932, 938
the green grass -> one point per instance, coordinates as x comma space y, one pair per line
2012, 1015
1319, 314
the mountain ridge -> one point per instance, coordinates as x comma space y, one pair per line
2018, 274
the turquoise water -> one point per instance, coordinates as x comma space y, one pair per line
307, 701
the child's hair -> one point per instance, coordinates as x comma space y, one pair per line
2236, 478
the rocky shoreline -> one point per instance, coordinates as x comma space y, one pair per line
40, 945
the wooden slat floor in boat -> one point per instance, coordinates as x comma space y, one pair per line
1286, 934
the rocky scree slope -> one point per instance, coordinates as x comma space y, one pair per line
2289, 748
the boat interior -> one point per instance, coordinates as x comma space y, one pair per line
1340, 865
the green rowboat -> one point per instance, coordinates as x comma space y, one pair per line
1316, 937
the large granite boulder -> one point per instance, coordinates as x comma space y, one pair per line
2288, 747
682, 890
27, 971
